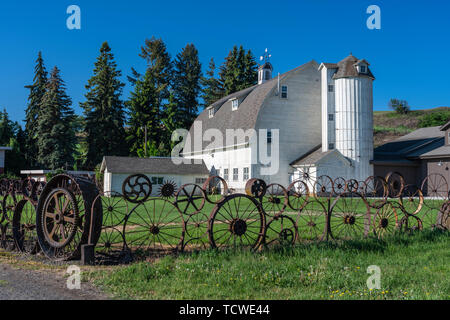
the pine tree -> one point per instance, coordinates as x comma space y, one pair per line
228, 74
55, 134
150, 94
104, 111
186, 85
144, 112
238, 72
12, 135
37, 91
211, 91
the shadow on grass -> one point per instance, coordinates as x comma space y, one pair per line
369, 245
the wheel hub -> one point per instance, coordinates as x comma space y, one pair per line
154, 230
349, 220
311, 224
384, 223
58, 218
110, 209
274, 200
286, 235
238, 227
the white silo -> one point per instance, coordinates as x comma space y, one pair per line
354, 115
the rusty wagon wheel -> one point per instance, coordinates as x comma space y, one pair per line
281, 230
136, 188
435, 188
60, 218
190, 199
395, 184
443, 219
275, 200
4, 187
256, 188
216, 188
386, 222
312, 221
68, 201
411, 200
352, 185
375, 191
167, 190
237, 221
115, 210
339, 186
350, 217
36, 191
8, 206
24, 227
154, 226
323, 187
27, 187
196, 232
298, 195
410, 223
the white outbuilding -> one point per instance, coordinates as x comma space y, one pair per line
159, 170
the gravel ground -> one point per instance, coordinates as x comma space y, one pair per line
20, 284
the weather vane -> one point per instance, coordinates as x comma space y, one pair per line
266, 56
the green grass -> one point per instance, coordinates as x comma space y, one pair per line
412, 267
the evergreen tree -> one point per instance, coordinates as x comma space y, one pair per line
103, 111
37, 90
144, 114
186, 86
238, 72
12, 135
211, 91
149, 97
55, 134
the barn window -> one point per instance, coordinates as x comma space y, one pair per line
211, 112
225, 174
331, 146
330, 88
200, 180
246, 172
331, 117
235, 174
234, 104
284, 92
362, 69
269, 136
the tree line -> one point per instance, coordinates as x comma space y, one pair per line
167, 95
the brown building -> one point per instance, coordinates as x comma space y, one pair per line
416, 155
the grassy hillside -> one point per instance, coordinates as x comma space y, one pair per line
388, 125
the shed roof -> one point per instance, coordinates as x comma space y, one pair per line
411, 146
153, 165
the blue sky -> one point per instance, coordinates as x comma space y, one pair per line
409, 55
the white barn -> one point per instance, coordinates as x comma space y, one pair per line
158, 169
321, 115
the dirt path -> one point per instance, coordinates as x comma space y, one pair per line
22, 284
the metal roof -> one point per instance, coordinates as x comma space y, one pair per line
250, 103
153, 165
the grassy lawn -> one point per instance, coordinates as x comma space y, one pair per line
412, 267
310, 221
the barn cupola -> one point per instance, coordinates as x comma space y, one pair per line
265, 70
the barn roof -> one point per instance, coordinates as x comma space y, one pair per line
153, 165
250, 103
